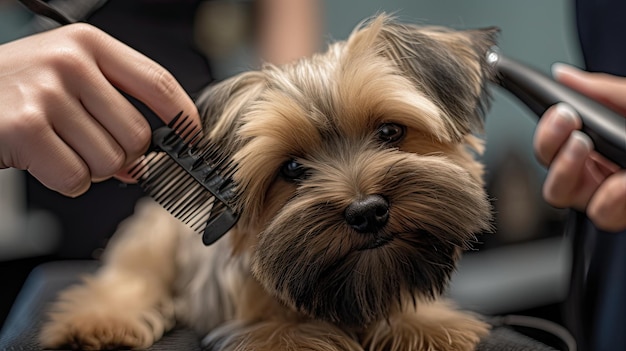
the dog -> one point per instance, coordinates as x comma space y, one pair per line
358, 187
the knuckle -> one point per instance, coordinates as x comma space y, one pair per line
75, 53
69, 59
555, 195
165, 85
83, 32
110, 164
140, 140
29, 124
18, 132
30, 119
116, 161
51, 97
75, 182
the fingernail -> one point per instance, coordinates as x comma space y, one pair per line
559, 68
567, 113
578, 145
564, 119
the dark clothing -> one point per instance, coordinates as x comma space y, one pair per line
601, 29
600, 295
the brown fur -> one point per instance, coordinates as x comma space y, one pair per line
293, 274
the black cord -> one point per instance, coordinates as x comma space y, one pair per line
537, 324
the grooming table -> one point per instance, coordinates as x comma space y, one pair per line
45, 281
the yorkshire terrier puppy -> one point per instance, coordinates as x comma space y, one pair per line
358, 192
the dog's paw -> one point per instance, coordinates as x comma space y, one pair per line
279, 335
438, 328
93, 332
88, 318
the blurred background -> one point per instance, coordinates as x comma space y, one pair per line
521, 268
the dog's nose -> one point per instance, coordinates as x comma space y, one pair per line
368, 215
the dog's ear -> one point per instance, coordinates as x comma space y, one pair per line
447, 65
222, 104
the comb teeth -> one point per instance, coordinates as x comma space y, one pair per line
191, 178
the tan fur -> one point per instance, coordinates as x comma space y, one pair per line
294, 274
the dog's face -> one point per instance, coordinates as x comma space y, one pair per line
357, 186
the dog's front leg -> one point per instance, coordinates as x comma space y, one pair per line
427, 326
278, 334
128, 302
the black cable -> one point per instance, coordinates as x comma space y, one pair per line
537, 324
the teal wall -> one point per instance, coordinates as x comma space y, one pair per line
537, 32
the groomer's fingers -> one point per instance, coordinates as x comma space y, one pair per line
64, 119
71, 176
553, 129
607, 207
608, 89
49, 159
116, 115
140, 77
573, 177
89, 139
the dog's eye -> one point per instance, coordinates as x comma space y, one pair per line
391, 133
293, 170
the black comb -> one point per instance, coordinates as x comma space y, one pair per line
191, 178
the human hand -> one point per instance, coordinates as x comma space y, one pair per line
63, 118
579, 177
